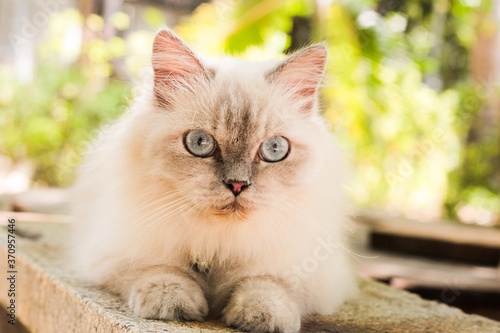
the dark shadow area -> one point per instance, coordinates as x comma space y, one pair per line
482, 303
5, 327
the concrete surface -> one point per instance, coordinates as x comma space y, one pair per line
50, 299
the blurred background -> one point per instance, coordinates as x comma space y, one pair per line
412, 94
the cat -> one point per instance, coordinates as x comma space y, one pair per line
219, 195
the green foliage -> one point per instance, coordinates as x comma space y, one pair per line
50, 121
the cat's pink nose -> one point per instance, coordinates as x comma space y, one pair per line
236, 187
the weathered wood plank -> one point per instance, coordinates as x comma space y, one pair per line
440, 240
442, 230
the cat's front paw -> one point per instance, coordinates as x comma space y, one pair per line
263, 310
168, 297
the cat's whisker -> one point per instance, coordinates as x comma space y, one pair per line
161, 196
144, 210
167, 201
306, 222
157, 216
141, 206
339, 244
294, 223
159, 212
356, 256
282, 224
302, 220
306, 219
152, 224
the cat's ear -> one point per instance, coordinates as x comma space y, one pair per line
301, 74
174, 63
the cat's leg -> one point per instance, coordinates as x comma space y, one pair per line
262, 304
167, 293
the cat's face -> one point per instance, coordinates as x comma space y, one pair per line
232, 140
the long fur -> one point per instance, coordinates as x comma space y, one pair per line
142, 202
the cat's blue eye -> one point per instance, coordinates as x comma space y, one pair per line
274, 149
200, 143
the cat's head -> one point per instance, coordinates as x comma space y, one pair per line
231, 136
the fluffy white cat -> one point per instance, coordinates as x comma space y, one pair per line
219, 194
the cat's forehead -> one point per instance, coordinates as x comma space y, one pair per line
236, 109
237, 116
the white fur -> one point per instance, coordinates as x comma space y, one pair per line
298, 241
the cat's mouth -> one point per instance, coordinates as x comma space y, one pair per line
232, 208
